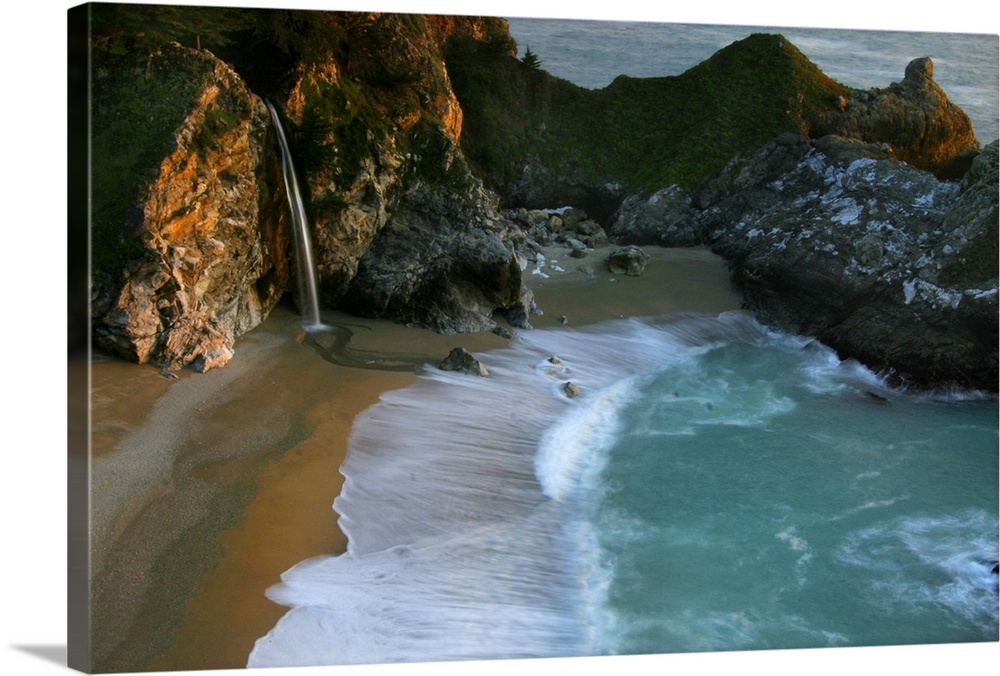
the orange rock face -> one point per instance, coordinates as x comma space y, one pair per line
214, 230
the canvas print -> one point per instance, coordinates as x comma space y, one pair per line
418, 338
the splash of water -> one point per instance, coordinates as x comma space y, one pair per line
306, 268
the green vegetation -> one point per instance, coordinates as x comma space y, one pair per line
530, 59
190, 26
137, 106
379, 86
646, 133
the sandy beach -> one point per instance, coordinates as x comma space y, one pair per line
206, 487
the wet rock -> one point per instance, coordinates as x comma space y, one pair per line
570, 390
459, 359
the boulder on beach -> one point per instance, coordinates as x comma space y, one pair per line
459, 359
628, 260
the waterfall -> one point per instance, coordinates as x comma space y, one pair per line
306, 269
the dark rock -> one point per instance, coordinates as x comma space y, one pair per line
764, 166
588, 228
577, 249
665, 218
879, 260
571, 217
459, 359
628, 260
427, 267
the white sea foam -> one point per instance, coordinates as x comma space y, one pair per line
462, 505
955, 551
572, 453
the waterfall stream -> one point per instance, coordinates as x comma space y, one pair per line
306, 269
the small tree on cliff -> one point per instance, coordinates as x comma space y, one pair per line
530, 59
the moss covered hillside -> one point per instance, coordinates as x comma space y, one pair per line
644, 133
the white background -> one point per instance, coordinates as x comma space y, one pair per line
33, 223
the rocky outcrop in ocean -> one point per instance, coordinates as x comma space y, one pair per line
879, 260
837, 239
913, 120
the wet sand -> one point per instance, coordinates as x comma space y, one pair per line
206, 488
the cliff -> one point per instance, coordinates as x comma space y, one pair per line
379, 126
539, 140
415, 133
190, 231
190, 243
877, 259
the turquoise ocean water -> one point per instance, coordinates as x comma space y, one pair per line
715, 486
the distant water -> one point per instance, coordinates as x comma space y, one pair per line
715, 486
592, 53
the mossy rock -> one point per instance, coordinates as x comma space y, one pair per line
142, 93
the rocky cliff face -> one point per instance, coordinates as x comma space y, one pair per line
912, 119
204, 240
816, 194
541, 141
879, 260
198, 250
388, 125
836, 239
428, 265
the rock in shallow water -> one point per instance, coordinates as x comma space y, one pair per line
459, 359
571, 390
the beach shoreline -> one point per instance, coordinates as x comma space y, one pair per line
206, 488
